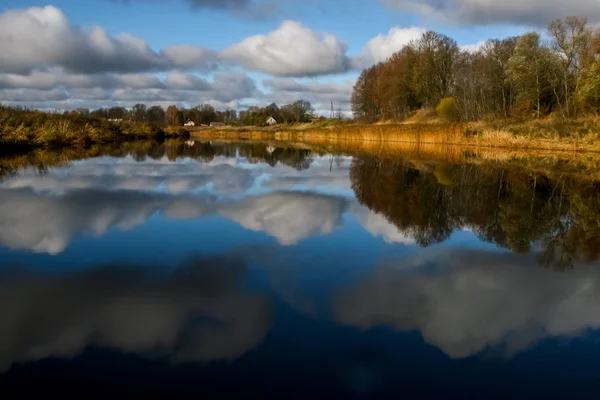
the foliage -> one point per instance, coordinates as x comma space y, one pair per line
297, 112
448, 109
36, 128
521, 77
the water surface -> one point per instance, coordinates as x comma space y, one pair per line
206, 268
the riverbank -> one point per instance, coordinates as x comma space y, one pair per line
578, 136
30, 128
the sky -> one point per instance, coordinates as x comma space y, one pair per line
67, 54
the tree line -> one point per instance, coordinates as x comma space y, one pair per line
525, 76
203, 114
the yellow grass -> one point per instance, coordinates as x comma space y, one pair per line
469, 135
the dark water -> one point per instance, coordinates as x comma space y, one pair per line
205, 270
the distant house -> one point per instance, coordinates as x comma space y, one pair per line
270, 149
271, 121
190, 123
117, 120
190, 143
217, 124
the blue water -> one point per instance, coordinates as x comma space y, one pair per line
188, 278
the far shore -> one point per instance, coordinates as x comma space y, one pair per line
461, 134
35, 129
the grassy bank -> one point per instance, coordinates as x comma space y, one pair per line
576, 135
35, 128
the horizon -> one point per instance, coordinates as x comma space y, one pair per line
230, 54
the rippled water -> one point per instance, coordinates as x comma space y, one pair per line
212, 269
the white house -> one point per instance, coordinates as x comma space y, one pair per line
190, 123
271, 121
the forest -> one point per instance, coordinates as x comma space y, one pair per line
556, 73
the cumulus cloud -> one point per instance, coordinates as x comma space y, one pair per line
383, 46
464, 301
288, 217
255, 9
57, 85
531, 12
186, 56
288, 90
42, 37
474, 47
49, 63
290, 50
198, 313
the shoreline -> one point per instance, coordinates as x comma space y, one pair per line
463, 135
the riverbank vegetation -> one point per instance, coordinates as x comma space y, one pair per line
22, 127
83, 127
521, 85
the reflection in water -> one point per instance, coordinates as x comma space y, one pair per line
288, 217
47, 223
304, 270
464, 301
198, 313
514, 209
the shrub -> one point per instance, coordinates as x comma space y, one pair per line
448, 109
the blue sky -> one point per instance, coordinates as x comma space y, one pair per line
67, 53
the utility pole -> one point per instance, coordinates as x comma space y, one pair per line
331, 113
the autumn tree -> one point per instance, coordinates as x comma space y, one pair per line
172, 115
570, 39
588, 93
156, 115
139, 112
525, 69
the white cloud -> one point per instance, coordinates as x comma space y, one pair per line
290, 50
108, 89
48, 62
529, 12
186, 56
381, 47
473, 48
42, 37
288, 90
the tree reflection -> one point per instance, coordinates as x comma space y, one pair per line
173, 150
515, 209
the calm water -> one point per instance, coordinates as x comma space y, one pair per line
209, 269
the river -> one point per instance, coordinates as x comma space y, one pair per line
213, 268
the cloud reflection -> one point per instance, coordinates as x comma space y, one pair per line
289, 217
199, 313
464, 301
